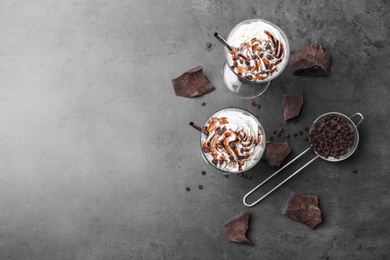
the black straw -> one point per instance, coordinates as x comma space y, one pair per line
222, 40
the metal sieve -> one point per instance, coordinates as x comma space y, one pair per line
329, 159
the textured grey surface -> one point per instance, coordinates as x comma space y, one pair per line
96, 150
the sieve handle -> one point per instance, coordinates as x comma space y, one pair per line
280, 184
361, 118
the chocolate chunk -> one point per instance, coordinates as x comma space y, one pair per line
303, 208
312, 60
236, 228
192, 83
292, 104
275, 153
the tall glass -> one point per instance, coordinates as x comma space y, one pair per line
252, 77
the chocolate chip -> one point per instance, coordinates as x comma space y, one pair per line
200, 187
354, 170
188, 189
203, 104
287, 135
208, 44
226, 175
279, 134
331, 136
203, 172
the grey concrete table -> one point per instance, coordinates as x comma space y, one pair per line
96, 150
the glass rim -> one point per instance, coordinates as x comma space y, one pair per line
287, 49
260, 153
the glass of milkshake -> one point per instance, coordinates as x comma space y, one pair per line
260, 53
232, 141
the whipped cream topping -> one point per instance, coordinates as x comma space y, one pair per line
259, 51
233, 141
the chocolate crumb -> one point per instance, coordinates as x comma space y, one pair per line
200, 187
188, 189
226, 175
279, 134
300, 132
271, 138
287, 135
203, 104
208, 45
295, 134
354, 170
203, 172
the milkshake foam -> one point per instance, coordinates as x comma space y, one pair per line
260, 50
235, 140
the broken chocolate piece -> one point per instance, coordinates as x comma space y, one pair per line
303, 208
312, 60
275, 153
192, 83
292, 104
236, 228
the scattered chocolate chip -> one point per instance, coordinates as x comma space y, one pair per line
354, 170
203, 104
292, 104
279, 134
274, 132
226, 175
208, 45
303, 208
236, 228
312, 60
200, 187
280, 130
203, 172
192, 83
188, 189
254, 103
275, 153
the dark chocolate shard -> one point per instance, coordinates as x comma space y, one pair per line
303, 208
192, 83
236, 228
292, 104
275, 153
312, 60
